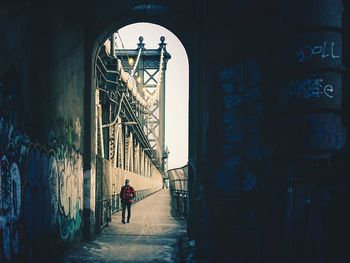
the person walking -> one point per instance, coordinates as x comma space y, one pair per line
127, 194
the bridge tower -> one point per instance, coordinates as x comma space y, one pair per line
148, 67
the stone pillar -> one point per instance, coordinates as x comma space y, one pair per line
89, 146
310, 91
309, 99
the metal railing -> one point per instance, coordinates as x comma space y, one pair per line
179, 200
178, 185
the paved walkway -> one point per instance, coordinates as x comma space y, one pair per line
150, 237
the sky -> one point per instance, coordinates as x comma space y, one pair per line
177, 85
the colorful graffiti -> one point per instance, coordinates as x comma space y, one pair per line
53, 192
10, 185
41, 191
66, 131
70, 186
12, 160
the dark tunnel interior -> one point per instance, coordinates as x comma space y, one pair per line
268, 167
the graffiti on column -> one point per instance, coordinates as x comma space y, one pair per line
249, 181
232, 100
316, 131
322, 50
310, 88
323, 90
240, 89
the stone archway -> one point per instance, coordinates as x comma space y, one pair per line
161, 15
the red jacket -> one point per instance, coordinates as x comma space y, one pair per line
127, 193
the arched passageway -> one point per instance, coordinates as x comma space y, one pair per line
268, 153
134, 123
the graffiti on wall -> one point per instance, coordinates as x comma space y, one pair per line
310, 88
39, 190
249, 181
53, 192
315, 131
12, 160
66, 131
70, 190
322, 50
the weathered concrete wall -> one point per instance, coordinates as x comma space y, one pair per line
232, 187
48, 121
275, 134
41, 130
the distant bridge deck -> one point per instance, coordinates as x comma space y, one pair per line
150, 237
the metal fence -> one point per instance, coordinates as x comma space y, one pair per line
178, 184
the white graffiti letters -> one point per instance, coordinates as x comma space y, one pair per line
324, 50
310, 88
328, 91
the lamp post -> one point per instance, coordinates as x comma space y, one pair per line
165, 166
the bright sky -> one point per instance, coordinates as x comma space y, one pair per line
177, 85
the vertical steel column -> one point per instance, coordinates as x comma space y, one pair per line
162, 103
113, 40
140, 72
125, 153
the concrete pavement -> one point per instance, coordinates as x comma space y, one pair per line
150, 237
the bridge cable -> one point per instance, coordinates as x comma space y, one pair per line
126, 53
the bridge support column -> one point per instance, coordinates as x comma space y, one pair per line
89, 183
310, 102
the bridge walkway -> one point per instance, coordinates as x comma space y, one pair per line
151, 235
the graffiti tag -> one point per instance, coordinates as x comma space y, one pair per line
311, 88
324, 50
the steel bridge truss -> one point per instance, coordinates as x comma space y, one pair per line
130, 100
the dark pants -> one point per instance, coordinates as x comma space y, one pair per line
124, 206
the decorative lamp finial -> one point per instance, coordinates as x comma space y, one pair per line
162, 44
141, 44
